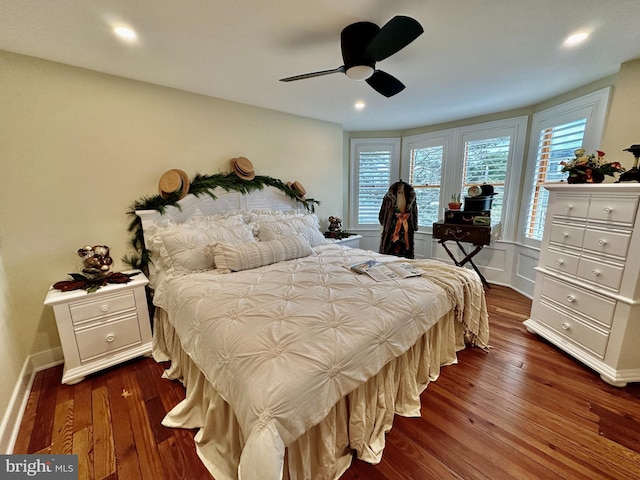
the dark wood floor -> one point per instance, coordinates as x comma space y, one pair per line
524, 410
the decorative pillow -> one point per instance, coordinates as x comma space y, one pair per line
184, 248
244, 256
265, 215
306, 225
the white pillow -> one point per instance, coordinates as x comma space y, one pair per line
183, 248
244, 256
306, 225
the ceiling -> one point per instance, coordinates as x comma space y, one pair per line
474, 57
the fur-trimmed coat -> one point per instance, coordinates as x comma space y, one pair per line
397, 229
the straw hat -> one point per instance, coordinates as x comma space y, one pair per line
297, 186
243, 168
173, 180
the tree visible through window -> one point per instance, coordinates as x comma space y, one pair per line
425, 174
485, 162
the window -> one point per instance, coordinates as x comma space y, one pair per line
374, 166
441, 164
555, 134
555, 144
485, 162
424, 175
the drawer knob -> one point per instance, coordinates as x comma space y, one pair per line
568, 206
571, 298
565, 326
607, 210
595, 273
110, 338
560, 261
602, 242
104, 308
564, 235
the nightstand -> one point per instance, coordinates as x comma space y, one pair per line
352, 242
101, 329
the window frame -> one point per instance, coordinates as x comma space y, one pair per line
593, 107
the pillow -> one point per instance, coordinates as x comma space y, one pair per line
183, 248
266, 215
243, 256
306, 225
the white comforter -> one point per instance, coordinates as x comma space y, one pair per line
283, 343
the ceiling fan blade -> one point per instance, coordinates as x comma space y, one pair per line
396, 34
313, 74
354, 40
385, 84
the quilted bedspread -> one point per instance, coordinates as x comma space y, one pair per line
283, 343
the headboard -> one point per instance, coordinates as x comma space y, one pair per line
191, 206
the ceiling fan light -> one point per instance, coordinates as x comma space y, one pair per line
359, 72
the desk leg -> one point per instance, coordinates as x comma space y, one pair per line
468, 258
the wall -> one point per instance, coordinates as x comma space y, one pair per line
78, 147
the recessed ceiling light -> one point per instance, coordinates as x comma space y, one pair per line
360, 105
575, 39
125, 32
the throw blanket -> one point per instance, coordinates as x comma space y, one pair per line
283, 343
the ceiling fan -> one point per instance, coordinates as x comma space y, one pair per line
363, 44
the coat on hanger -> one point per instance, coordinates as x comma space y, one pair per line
399, 220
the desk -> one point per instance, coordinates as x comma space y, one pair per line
477, 235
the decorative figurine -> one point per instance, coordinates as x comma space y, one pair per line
95, 260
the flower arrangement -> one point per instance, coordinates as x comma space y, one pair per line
589, 168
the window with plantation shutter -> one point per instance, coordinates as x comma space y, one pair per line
425, 176
374, 166
555, 133
555, 144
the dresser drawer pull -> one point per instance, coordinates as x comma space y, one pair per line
110, 338
571, 298
607, 210
595, 273
560, 261
602, 242
568, 206
565, 326
104, 308
564, 235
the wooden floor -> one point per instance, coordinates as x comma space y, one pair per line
524, 410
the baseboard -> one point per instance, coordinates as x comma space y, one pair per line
13, 416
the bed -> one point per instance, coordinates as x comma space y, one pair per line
293, 364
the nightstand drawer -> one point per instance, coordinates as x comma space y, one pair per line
96, 341
589, 304
578, 332
102, 306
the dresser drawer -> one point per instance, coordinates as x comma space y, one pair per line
566, 235
607, 242
561, 261
585, 302
573, 329
614, 209
96, 341
570, 207
602, 274
102, 306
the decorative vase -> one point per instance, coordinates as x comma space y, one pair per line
454, 206
595, 177
577, 179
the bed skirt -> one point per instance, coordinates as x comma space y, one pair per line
356, 425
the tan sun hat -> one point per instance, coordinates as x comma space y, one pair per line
297, 186
173, 180
243, 168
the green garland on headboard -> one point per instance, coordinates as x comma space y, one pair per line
200, 185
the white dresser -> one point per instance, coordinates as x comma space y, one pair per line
587, 292
101, 329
